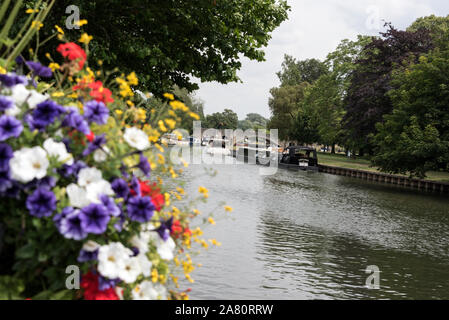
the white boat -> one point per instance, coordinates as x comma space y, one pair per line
218, 147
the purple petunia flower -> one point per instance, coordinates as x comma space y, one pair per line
96, 144
97, 112
86, 256
69, 171
135, 186
165, 229
144, 165
120, 188
5, 103
41, 203
95, 218
9, 127
10, 80
105, 284
57, 219
6, 154
140, 209
46, 113
76, 121
39, 70
110, 205
71, 226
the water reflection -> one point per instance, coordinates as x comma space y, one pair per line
300, 235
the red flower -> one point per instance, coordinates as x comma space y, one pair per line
177, 230
89, 283
73, 52
100, 93
90, 137
153, 192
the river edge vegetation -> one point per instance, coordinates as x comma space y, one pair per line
383, 98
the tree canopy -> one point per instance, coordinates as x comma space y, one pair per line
167, 42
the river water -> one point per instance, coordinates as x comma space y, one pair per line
304, 235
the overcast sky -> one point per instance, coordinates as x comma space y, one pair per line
314, 28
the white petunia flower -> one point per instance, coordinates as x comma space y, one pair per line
13, 112
58, 150
95, 190
136, 138
148, 291
87, 176
36, 98
130, 271
165, 249
29, 164
77, 196
101, 155
112, 259
141, 242
20, 94
145, 264
91, 246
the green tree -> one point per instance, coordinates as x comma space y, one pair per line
295, 72
284, 105
169, 41
438, 27
415, 137
222, 120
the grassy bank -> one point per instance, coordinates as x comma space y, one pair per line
342, 161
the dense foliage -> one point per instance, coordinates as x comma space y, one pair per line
169, 41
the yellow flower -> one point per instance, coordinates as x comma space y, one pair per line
194, 116
2, 70
167, 198
196, 212
141, 114
160, 158
132, 79
36, 25
118, 112
170, 123
154, 275
203, 190
162, 126
169, 96
57, 94
180, 190
215, 242
59, 29
189, 278
204, 244
211, 221
178, 105
85, 38
197, 232
81, 22
100, 62
158, 147
228, 209
30, 11
125, 89
54, 66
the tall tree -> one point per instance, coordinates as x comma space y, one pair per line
227, 119
168, 41
284, 104
415, 137
367, 101
438, 27
295, 72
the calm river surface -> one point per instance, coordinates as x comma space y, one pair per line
300, 235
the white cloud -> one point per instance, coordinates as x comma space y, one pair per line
313, 30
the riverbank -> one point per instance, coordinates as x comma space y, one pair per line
341, 161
